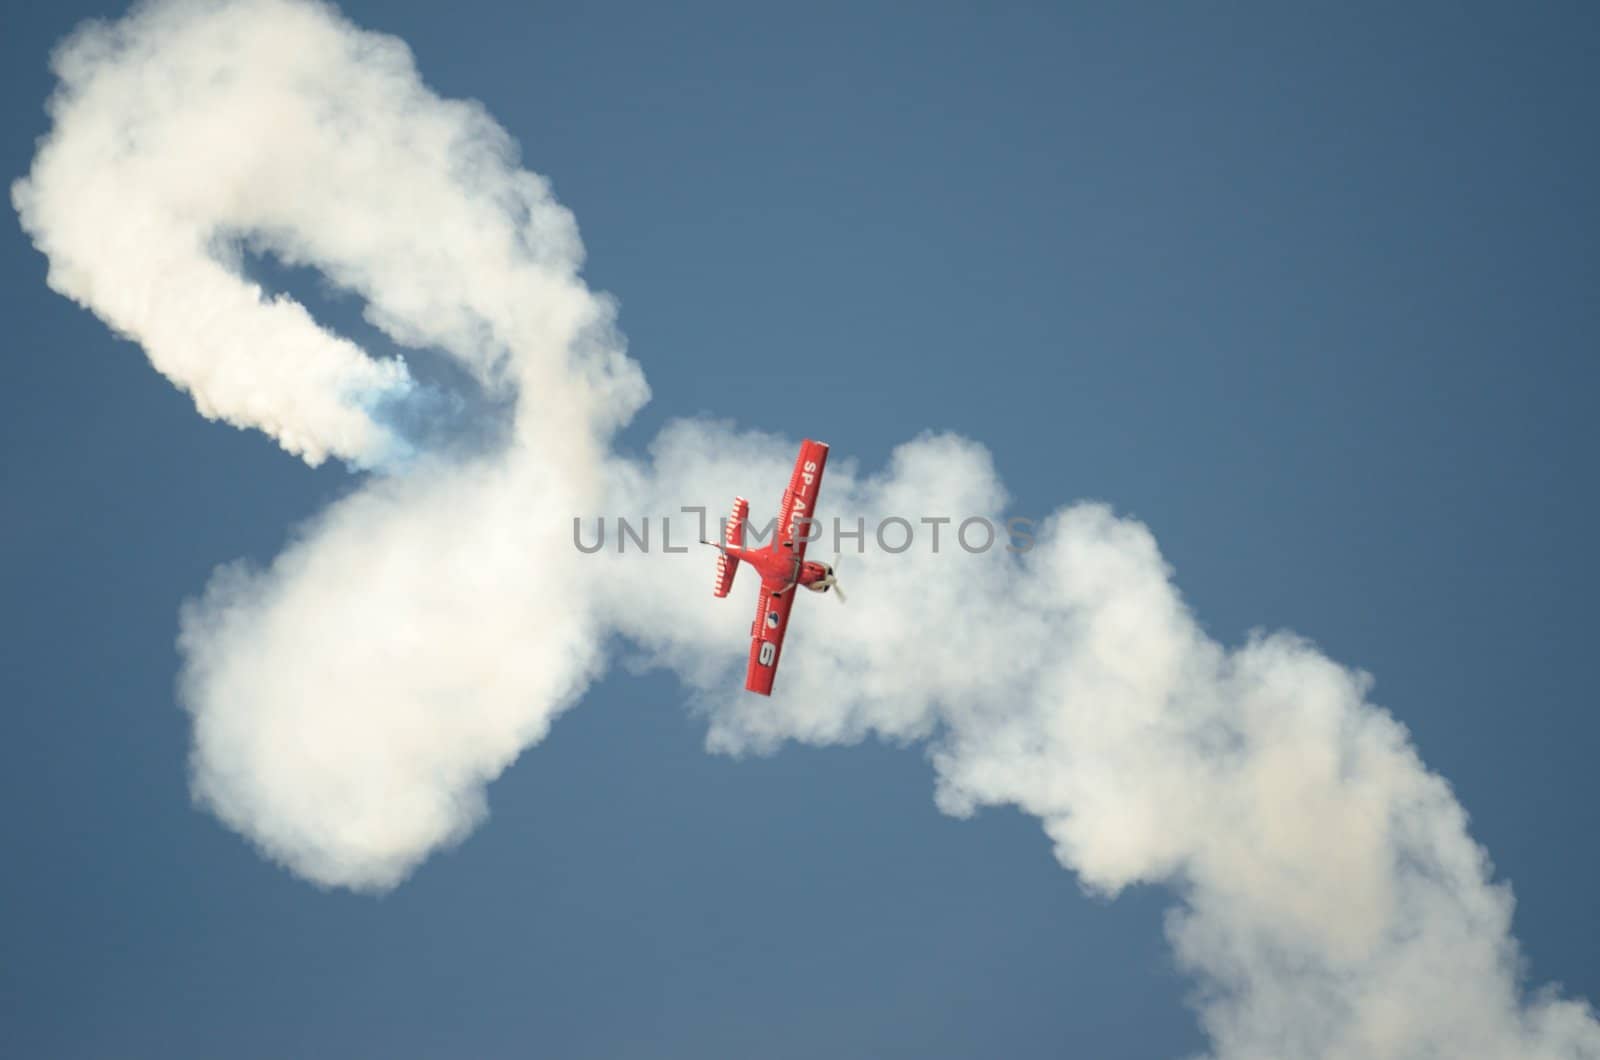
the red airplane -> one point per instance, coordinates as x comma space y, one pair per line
782, 564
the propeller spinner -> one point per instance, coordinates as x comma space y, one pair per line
830, 580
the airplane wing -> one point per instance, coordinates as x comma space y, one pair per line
801, 496
766, 640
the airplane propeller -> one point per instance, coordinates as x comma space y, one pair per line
831, 579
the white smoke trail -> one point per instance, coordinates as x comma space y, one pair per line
352, 701
190, 125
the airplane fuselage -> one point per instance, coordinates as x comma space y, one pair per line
778, 566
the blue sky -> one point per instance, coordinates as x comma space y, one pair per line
1311, 294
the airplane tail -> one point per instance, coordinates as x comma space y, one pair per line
732, 537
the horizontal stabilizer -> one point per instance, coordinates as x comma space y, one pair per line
732, 537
